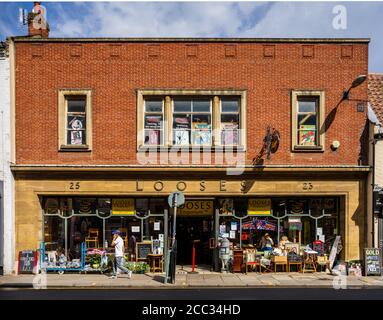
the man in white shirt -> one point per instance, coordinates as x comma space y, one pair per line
118, 244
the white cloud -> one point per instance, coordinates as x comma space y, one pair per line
220, 19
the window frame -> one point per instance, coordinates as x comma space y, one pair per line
192, 112
215, 97
239, 120
154, 113
63, 114
320, 110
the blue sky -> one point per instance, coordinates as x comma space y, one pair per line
206, 19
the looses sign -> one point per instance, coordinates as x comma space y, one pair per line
196, 208
123, 206
260, 207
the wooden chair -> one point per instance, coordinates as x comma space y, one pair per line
309, 263
280, 261
124, 236
251, 259
92, 238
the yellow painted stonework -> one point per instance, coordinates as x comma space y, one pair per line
352, 211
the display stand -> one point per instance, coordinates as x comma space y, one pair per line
58, 268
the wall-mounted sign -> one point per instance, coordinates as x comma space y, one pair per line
196, 208
123, 206
259, 207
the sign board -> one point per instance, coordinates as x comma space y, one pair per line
259, 207
334, 251
143, 249
176, 195
27, 261
123, 207
196, 208
372, 261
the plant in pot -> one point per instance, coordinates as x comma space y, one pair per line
94, 260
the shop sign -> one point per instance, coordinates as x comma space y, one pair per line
196, 208
259, 207
123, 207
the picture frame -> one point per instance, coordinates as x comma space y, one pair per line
292, 247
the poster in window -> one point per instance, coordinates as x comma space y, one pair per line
202, 134
229, 134
307, 135
182, 122
153, 121
152, 137
76, 137
226, 206
181, 137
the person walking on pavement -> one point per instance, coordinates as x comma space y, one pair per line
118, 244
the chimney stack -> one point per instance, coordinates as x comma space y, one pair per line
38, 26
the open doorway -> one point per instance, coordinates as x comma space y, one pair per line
190, 229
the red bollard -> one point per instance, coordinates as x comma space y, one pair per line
193, 257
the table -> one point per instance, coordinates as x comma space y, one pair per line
155, 262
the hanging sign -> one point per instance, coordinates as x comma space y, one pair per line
196, 208
123, 207
259, 207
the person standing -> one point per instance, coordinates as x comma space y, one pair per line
118, 244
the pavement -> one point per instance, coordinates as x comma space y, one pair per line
202, 278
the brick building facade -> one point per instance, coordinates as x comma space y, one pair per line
124, 85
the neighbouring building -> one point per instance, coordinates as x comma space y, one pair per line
375, 96
257, 134
7, 240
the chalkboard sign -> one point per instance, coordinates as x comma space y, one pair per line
27, 261
143, 249
373, 261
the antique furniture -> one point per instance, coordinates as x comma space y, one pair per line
155, 262
280, 261
237, 260
309, 261
92, 238
251, 260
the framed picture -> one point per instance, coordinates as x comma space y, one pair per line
292, 247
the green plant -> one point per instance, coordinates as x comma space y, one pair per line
137, 267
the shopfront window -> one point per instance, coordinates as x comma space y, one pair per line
154, 122
91, 220
230, 122
303, 220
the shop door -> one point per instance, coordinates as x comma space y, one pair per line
190, 229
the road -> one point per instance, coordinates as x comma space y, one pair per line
217, 294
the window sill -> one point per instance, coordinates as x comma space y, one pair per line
79, 148
308, 149
190, 148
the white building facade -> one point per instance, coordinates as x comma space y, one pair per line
6, 177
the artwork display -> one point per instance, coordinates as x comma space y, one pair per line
307, 135
76, 137
181, 137
229, 134
226, 206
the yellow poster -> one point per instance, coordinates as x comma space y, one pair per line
196, 208
123, 207
259, 207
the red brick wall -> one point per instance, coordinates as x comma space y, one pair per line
115, 71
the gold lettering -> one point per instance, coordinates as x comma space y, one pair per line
139, 186
243, 186
181, 186
222, 186
158, 185
202, 186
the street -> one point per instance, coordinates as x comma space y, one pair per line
193, 294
